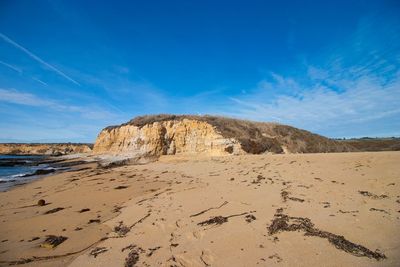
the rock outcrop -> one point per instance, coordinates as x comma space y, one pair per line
172, 134
44, 149
165, 138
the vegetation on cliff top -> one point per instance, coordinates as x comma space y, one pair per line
374, 144
254, 137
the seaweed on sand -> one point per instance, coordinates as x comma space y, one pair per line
98, 250
133, 256
132, 259
282, 223
121, 229
53, 210
250, 218
53, 241
218, 220
214, 220
286, 195
371, 195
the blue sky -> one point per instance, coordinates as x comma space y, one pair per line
70, 68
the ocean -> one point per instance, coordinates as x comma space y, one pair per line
20, 169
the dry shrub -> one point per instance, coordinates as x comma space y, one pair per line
255, 137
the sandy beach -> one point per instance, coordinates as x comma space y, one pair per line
199, 133
337, 209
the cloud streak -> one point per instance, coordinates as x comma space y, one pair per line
329, 103
27, 99
39, 81
15, 97
361, 100
38, 59
30, 117
353, 91
11, 67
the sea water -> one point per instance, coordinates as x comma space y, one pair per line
15, 168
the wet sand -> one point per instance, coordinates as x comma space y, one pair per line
336, 209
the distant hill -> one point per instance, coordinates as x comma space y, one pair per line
374, 144
44, 148
173, 134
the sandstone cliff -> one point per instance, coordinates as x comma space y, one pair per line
44, 149
171, 134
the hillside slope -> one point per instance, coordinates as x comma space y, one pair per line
174, 134
374, 144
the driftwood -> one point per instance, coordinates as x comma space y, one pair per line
213, 208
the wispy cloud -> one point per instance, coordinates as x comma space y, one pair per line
11, 67
31, 117
16, 97
91, 112
38, 59
319, 104
127, 88
355, 91
39, 81
329, 106
20, 72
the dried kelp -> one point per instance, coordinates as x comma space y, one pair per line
371, 195
53, 210
282, 223
98, 250
286, 195
53, 241
218, 220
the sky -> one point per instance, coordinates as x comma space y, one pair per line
70, 68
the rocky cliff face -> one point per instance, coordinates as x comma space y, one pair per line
44, 149
165, 138
171, 134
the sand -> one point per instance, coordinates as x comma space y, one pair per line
339, 209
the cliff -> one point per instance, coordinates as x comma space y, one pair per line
44, 149
172, 134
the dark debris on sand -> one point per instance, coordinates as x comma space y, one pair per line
41, 202
132, 259
34, 239
84, 210
53, 241
121, 187
98, 250
53, 210
218, 220
286, 195
133, 256
121, 229
282, 223
152, 250
259, 179
214, 220
371, 195
250, 218
380, 210
20, 262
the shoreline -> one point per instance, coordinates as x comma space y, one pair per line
40, 166
91, 223
103, 211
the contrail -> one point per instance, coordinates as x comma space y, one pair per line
11, 66
39, 81
38, 59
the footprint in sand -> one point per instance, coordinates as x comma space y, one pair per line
198, 234
206, 257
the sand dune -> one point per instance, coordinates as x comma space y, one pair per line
337, 209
